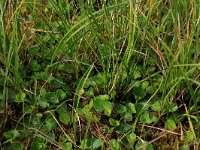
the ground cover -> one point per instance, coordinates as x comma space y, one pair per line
98, 74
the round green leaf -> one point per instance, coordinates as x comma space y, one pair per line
101, 105
50, 124
39, 144
20, 97
139, 92
170, 124
107, 112
131, 137
96, 144
120, 109
114, 145
51, 97
157, 106
11, 134
145, 84
61, 94
131, 108
189, 136
68, 146
123, 128
57, 83
128, 116
62, 109
147, 118
114, 122
64, 118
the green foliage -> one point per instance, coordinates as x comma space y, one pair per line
20, 97
189, 136
114, 122
114, 145
39, 144
11, 135
91, 74
147, 118
50, 124
143, 145
92, 143
131, 108
101, 103
131, 137
170, 124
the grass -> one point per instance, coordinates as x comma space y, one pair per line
99, 74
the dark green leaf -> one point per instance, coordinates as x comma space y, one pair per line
120, 109
101, 104
64, 118
128, 116
146, 118
17, 146
57, 83
51, 97
11, 134
39, 144
50, 124
123, 128
61, 94
62, 109
131, 108
139, 91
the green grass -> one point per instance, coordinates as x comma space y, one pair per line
99, 74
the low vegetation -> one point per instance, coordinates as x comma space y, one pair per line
95, 74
